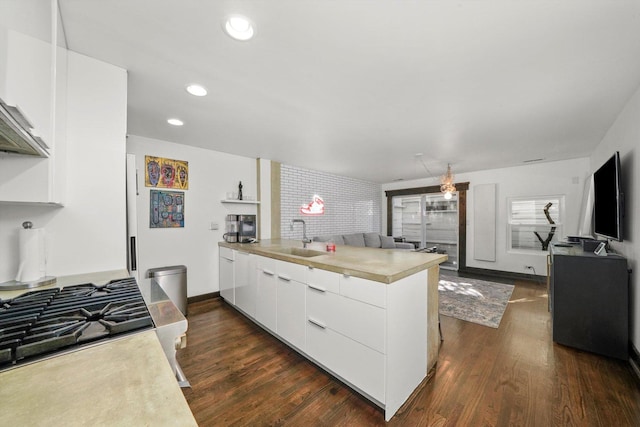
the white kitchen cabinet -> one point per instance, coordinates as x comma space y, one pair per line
291, 303
33, 77
267, 293
356, 363
26, 79
371, 335
226, 276
359, 321
245, 282
347, 335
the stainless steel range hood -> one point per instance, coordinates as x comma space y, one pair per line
16, 136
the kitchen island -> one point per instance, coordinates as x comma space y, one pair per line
369, 316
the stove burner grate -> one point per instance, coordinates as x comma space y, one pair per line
44, 322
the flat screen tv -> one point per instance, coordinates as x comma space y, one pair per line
608, 204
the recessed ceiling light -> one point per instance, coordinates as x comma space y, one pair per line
196, 90
239, 27
175, 122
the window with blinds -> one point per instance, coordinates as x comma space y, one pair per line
529, 227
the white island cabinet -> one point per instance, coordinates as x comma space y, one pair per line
291, 303
244, 271
227, 281
372, 334
267, 286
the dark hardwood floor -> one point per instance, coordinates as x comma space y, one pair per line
513, 375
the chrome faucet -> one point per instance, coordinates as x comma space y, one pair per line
305, 239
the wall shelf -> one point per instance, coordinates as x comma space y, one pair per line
241, 202
24, 203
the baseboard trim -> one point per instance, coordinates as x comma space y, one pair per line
634, 359
203, 297
502, 274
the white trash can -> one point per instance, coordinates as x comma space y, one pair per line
173, 281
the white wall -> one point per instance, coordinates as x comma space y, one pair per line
554, 178
624, 136
211, 175
89, 233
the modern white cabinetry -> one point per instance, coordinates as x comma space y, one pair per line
244, 270
370, 334
291, 303
347, 336
226, 277
33, 78
267, 296
26, 79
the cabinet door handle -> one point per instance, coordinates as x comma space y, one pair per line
317, 323
268, 272
285, 278
317, 288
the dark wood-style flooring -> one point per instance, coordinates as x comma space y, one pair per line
511, 376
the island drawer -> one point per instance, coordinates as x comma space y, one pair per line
290, 271
361, 322
226, 253
323, 280
266, 264
357, 364
364, 290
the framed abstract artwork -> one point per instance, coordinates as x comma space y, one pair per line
166, 209
166, 173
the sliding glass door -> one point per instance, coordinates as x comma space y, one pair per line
429, 221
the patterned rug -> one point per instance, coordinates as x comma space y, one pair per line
473, 300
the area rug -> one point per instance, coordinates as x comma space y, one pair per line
473, 300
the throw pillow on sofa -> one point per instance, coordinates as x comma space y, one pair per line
372, 240
356, 239
387, 242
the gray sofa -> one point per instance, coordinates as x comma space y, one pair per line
369, 240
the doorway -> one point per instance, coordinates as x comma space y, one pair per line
423, 216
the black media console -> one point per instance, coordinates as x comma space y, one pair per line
589, 300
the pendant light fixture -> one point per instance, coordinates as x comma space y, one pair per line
446, 184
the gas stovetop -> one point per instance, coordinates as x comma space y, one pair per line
46, 322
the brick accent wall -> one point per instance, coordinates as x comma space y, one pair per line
351, 205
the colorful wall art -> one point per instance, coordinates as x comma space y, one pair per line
166, 173
166, 209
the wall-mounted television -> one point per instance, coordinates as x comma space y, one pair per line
608, 204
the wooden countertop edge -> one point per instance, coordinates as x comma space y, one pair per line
324, 262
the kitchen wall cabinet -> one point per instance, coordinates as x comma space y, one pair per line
267, 292
244, 270
34, 78
26, 79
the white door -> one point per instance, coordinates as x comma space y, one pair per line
132, 222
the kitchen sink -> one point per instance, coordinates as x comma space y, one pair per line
303, 252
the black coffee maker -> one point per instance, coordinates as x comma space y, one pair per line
240, 229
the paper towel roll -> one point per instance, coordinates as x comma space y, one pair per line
31, 251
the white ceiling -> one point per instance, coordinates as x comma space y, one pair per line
357, 88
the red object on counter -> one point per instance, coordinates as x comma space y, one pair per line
331, 247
